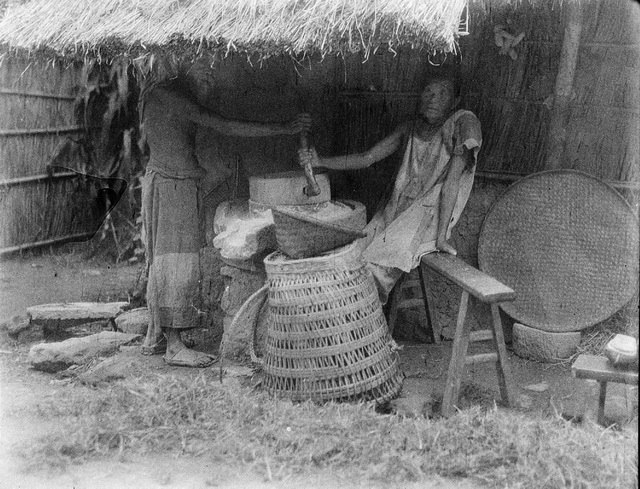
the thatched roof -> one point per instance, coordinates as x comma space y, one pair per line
133, 28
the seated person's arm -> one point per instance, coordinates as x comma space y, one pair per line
183, 107
356, 161
449, 196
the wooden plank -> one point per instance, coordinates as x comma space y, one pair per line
477, 283
458, 355
505, 377
481, 358
434, 332
418, 302
600, 369
481, 335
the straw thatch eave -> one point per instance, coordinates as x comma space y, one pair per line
192, 28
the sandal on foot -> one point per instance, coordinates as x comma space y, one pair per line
190, 358
155, 349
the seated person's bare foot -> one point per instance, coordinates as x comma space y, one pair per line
442, 245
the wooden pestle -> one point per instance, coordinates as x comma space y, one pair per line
313, 189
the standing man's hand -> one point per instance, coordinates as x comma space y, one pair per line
308, 155
301, 123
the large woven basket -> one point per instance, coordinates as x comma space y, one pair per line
327, 338
567, 243
301, 234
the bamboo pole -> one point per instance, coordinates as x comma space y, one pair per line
41, 130
513, 177
10, 182
38, 244
557, 134
8, 91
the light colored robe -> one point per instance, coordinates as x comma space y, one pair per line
406, 228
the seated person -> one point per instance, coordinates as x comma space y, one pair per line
432, 186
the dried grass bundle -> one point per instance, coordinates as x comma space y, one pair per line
262, 26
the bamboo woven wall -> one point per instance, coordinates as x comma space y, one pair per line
36, 116
512, 98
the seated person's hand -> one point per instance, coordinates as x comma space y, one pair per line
308, 156
442, 245
301, 123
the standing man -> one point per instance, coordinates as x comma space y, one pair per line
172, 214
432, 186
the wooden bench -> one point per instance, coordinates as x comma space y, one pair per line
484, 288
600, 369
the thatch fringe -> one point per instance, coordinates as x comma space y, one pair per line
267, 27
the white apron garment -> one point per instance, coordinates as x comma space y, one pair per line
406, 228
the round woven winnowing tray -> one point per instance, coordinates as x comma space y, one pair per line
567, 243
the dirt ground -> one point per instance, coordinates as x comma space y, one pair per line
67, 277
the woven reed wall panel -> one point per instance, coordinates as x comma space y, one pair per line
38, 211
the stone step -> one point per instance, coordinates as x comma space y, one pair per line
62, 315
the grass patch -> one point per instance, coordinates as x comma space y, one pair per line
249, 430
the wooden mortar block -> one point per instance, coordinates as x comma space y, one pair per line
287, 188
544, 346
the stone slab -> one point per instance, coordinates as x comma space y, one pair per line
73, 313
53, 357
544, 346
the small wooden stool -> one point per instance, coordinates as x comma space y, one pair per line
600, 369
486, 289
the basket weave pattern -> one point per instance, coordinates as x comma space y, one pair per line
567, 243
327, 338
302, 236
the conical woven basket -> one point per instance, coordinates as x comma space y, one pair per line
327, 338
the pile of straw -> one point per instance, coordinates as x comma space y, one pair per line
112, 28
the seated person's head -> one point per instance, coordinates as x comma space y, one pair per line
439, 98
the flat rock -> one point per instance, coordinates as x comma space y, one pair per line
544, 346
135, 321
73, 313
53, 357
113, 368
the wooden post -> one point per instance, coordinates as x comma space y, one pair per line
564, 86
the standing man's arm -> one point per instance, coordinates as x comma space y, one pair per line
182, 107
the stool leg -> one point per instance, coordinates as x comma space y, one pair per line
432, 330
505, 379
601, 401
458, 355
393, 307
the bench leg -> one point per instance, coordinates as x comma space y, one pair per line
458, 356
432, 330
393, 306
505, 378
601, 400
